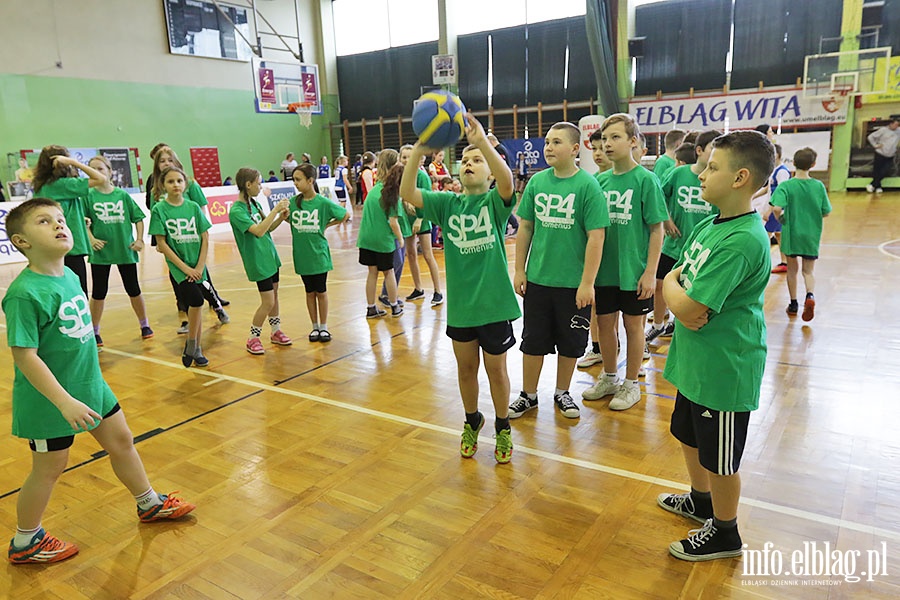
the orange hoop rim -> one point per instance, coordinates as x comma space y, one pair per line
299, 106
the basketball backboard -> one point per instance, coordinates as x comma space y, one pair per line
850, 73
278, 84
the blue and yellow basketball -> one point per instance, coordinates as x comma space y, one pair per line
439, 119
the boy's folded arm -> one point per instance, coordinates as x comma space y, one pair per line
685, 308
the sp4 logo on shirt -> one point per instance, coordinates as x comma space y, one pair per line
619, 204
694, 258
470, 231
76, 319
110, 212
552, 210
183, 230
305, 220
691, 201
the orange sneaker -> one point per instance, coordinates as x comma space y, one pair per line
780, 268
809, 309
44, 548
171, 508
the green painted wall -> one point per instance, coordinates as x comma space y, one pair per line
36, 111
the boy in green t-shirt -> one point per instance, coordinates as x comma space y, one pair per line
481, 309
686, 206
593, 355
666, 162
800, 204
718, 352
624, 282
180, 229
58, 389
558, 250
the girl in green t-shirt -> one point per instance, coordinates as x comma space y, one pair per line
181, 231
164, 158
310, 215
252, 232
112, 212
56, 178
379, 231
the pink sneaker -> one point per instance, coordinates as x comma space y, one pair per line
254, 346
281, 339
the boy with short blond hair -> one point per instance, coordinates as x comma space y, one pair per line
666, 162
58, 390
625, 280
718, 352
558, 251
800, 204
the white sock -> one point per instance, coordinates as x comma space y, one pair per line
24, 536
531, 396
631, 382
148, 499
611, 376
559, 392
322, 326
315, 327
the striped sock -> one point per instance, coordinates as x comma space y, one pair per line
24, 536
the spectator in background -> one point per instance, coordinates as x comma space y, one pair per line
24, 173
884, 140
305, 158
272, 178
228, 181
287, 166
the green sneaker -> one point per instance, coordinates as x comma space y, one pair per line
469, 443
503, 446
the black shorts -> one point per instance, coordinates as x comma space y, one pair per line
552, 323
383, 261
494, 338
315, 283
718, 436
806, 256
610, 299
268, 284
189, 294
666, 264
341, 193
61, 443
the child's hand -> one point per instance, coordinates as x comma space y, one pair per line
137, 245
520, 282
584, 296
283, 206
97, 244
266, 192
66, 161
697, 323
671, 229
474, 131
646, 286
194, 275
79, 416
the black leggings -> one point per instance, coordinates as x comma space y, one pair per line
76, 263
100, 280
190, 293
206, 289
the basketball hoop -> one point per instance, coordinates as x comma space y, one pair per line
838, 98
303, 110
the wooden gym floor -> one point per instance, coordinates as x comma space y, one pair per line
332, 471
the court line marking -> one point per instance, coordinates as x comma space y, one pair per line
883, 248
785, 510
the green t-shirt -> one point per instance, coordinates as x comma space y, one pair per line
71, 193
726, 268
663, 165
112, 218
681, 190
52, 314
405, 221
563, 211
183, 226
474, 256
375, 231
602, 177
805, 203
635, 202
195, 194
258, 254
308, 223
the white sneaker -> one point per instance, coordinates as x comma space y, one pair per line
646, 352
878, 190
590, 359
604, 387
626, 397
870, 188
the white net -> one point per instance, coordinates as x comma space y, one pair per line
304, 112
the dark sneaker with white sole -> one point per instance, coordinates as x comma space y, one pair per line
708, 543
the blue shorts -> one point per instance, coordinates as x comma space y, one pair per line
772, 225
